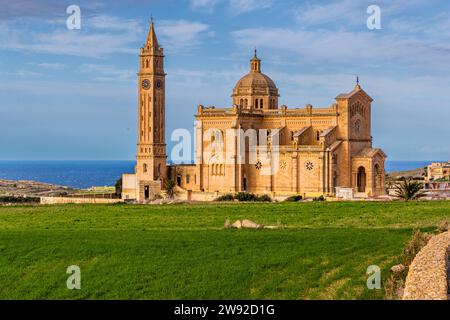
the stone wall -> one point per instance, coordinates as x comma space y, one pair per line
427, 277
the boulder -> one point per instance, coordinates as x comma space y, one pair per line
237, 224
398, 268
251, 225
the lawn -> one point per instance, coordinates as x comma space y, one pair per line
183, 252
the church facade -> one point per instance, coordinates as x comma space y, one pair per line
255, 145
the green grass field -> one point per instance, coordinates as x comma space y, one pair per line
183, 252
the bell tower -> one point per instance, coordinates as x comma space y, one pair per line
151, 151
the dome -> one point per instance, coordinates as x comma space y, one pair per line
255, 82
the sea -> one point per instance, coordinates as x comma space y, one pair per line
86, 174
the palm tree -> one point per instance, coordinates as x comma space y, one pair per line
409, 190
169, 188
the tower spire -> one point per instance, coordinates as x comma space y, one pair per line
152, 40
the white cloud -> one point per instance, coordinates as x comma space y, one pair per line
52, 65
177, 35
107, 73
344, 46
101, 36
204, 5
243, 6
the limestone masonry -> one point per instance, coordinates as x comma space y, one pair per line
272, 150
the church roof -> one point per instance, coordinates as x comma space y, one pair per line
370, 153
352, 93
255, 81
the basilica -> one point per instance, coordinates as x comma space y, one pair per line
255, 145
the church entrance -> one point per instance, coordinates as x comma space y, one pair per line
147, 192
361, 179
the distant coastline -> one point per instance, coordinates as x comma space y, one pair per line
88, 173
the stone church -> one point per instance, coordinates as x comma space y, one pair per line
255, 145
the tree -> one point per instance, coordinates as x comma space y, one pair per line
409, 190
119, 187
169, 188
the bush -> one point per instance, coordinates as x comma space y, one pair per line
225, 197
20, 199
264, 198
294, 199
321, 198
409, 190
244, 196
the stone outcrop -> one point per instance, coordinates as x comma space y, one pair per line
33, 188
427, 276
244, 224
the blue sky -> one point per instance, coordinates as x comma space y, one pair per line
72, 94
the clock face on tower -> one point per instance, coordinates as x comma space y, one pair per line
146, 84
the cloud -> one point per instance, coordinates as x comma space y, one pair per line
107, 72
177, 35
363, 47
204, 5
331, 12
52, 65
244, 6
99, 37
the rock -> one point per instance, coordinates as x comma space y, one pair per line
444, 226
398, 268
251, 225
237, 224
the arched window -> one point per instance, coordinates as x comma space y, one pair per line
318, 135
245, 103
256, 103
242, 103
146, 63
188, 178
145, 168
261, 103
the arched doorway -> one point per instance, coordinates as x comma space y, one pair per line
244, 184
361, 179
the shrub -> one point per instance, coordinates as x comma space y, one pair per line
321, 198
19, 199
169, 188
264, 198
409, 190
118, 187
244, 196
225, 197
294, 198
412, 247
